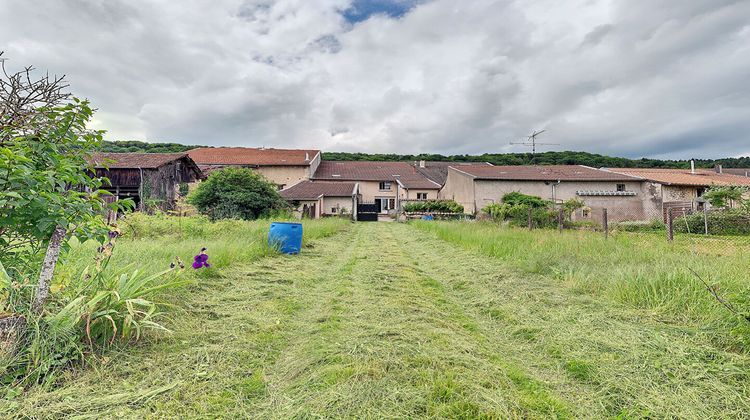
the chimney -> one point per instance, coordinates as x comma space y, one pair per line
721, 169
307, 156
422, 164
692, 166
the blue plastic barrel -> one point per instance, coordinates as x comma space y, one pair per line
287, 237
427, 217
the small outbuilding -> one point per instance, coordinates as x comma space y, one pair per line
144, 177
316, 199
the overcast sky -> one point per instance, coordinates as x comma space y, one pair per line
654, 78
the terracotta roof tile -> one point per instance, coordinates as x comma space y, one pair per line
312, 190
404, 172
701, 177
541, 173
134, 160
252, 156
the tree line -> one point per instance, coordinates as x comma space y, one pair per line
545, 158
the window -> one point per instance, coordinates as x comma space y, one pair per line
586, 212
281, 186
421, 196
620, 187
385, 186
334, 210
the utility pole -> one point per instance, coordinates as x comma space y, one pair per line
531, 141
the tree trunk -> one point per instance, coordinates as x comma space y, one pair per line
48, 268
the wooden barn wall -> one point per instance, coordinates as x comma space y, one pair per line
158, 184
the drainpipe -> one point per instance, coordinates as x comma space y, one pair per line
554, 191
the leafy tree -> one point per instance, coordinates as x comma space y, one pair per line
47, 194
237, 193
723, 196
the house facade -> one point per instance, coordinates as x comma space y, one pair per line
476, 186
680, 187
316, 199
282, 167
145, 177
384, 183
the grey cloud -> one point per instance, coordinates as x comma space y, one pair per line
624, 77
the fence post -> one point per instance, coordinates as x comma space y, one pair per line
670, 225
560, 219
605, 223
531, 220
705, 218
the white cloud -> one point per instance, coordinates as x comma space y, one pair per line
620, 77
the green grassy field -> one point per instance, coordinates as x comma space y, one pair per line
456, 320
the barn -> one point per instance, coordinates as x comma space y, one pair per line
147, 178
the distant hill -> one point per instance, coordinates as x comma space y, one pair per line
143, 147
546, 158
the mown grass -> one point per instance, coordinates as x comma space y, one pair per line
383, 320
639, 270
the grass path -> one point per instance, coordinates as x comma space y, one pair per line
384, 320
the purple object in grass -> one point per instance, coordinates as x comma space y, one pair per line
201, 260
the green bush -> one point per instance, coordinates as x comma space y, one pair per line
237, 193
518, 215
435, 206
640, 226
516, 198
724, 222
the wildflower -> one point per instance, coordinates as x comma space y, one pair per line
201, 260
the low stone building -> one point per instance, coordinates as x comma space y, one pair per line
147, 177
384, 183
680, 187
476, 186
315, 199
283, 167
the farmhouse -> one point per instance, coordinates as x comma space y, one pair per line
283, 167
384, 183
680, 187
315, 199
147, 176
476, 186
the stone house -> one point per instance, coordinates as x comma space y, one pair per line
283, 167
316, 199
382, 183
682, 188
476, 186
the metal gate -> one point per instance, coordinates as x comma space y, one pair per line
368, 212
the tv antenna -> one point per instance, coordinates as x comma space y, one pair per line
531, 141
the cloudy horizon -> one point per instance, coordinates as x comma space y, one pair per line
629, 78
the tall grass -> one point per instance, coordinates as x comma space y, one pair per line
639, 270
128, 288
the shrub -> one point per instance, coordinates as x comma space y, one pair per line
436, 206
723, 196
516, 198
237, 193
640, 226
723, 222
